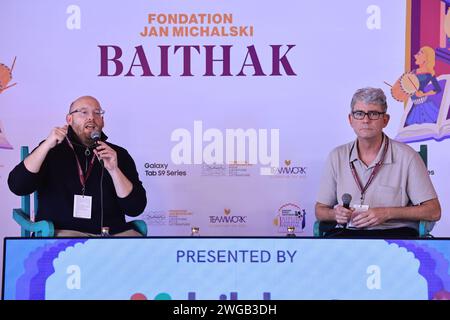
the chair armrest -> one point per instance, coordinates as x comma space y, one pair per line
316, 228
425, 228
321, 227
140, 226
41, 228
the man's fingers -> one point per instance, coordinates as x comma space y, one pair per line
61, 131
102, 146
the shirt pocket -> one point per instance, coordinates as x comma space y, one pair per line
388, 196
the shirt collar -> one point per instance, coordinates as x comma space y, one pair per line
388, 158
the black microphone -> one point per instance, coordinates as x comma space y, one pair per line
95, 135
346, 199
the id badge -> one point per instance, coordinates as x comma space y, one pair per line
82, 206
358, 209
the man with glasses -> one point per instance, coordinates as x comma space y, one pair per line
85, 185
386, 183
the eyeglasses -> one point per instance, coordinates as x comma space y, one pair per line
84, 113
373, 115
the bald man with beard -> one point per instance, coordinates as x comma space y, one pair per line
66, 170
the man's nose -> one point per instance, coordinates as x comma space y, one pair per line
366, 118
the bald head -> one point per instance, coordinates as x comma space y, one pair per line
84, 100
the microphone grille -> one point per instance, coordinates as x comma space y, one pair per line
95, 135
346, 198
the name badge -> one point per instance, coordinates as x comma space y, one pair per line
82, 206
358, 209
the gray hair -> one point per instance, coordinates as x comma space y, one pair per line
369, 96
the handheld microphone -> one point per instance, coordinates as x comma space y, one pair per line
95, 136
346, 199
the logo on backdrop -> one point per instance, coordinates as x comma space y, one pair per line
290, 215
288, 170
194, 25
153, 169
180, 217
177, 217
155, 218
228, 219
226, 170
223, 61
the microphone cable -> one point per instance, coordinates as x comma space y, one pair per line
104, 231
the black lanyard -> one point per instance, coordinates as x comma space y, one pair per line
372, 175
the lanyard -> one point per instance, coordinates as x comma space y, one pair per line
83, 178
372, 175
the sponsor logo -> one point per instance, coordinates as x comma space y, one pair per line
288, 170
227, 170
162, 170
155, 218
168, 218
180, 217
227, 219
290, 215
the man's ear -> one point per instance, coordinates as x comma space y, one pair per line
350, 118
69, 118
386, 119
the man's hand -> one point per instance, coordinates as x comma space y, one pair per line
370, 218
121, 183
342, 214
108, 155
56, 136
34, 160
